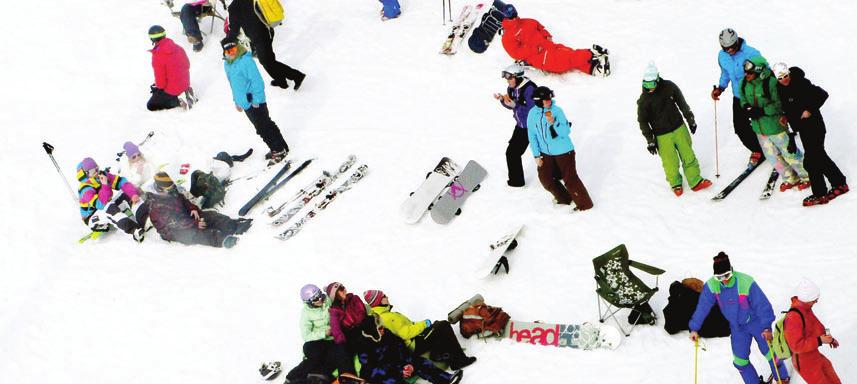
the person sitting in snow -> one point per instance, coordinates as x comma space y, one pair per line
189, 15
659, 111
100, 207
385, 358
527, 40
321, 354
347, 313
390, 9
172, 73
437, 338
177, 219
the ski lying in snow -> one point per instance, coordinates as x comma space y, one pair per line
729, 188
262, 193
331, 195
584, 336
769, 186
462, 25
314, 190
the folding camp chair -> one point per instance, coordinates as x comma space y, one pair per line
618, 287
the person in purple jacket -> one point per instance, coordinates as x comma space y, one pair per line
100, 207
518, 98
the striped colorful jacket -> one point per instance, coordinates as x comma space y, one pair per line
92, 196
742, 302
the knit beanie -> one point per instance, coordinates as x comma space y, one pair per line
373, 297
163, 182
651, 72
721, 263
807, 291
131, 149
332, 288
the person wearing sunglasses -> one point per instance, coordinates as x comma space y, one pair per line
100, 208
321, 355
548, 131
518, 98
804, 334
731, 60
172, 73
347, 314
802, 101
661, 113
762, 103
248, 93
748, 311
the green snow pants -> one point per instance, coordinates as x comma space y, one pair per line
675, 146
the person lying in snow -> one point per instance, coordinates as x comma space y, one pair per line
100, 207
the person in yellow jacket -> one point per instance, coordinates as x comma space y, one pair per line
437, 338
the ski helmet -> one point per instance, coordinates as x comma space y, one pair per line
781, 70
728, 38
514, 70
311, 293
228, 42
510, 12
156, 33
755, 64
542, 93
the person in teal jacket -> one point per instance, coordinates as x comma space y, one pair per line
748, 312
548, 131
248, 93
762, 103
321, 354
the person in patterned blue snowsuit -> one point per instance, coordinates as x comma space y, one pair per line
748, 311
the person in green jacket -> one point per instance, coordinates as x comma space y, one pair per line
322, 355
437, 338
762, 103
659, 111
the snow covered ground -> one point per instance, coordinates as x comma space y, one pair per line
77, 76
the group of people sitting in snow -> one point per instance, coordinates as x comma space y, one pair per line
369, 340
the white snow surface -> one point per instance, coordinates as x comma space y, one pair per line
113, 311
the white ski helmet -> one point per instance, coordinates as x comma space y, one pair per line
516, 70
781, 70
728, 37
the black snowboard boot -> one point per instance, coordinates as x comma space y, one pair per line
466, 361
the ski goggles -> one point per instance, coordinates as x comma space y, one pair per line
317, 297
723, 276
507, 75
733, 47
650, 84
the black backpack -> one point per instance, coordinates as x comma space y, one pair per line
208, 187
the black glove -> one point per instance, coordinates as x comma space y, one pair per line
755, 112
792, 147
692, 127
653, 148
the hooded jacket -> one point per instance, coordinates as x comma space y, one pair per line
542, 141
93, 196
522, 99
802, 95
315, 322
761, 93
658, 112
171, 66
732, 66
346, 316
170, 212
802, 335
244, 79
399, 324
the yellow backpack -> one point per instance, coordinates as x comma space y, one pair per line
269, 11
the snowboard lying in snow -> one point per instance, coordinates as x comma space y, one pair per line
584, 336
421, 198
449, 203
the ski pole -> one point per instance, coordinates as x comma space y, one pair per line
695, 360
443, 11
776, 363
716, 143
50, 150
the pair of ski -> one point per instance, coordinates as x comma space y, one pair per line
274, 185
461, 27
444, 191
316, 190
309, 192
586, 336
766, 193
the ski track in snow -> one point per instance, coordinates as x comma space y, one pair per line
116, 312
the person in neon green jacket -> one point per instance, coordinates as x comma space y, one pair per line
437, 338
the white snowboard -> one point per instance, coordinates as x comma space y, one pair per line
418, 203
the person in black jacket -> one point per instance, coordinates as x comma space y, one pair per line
243, 16
801, 101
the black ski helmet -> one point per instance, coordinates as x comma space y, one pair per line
542, 93
156, 33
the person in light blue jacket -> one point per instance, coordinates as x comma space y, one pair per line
548, 131
748, 311
248, 93
731, 59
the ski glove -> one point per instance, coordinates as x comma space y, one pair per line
692, 127
428, 323
754, 112
653, 148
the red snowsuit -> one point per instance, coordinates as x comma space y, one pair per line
172, 68
804, 341
528, 40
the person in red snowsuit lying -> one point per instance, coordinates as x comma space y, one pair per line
528, 40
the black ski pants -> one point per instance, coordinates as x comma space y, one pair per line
573, 190
817, 163
162, 100
741, 123
517, 146
266, 128
265, 53
322, 357
440, 342
217, 227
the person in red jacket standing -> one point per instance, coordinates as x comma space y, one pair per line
528, 40
172, 73
805, 333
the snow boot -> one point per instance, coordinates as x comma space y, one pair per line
678, 190
230, 241
243, 225
803, 184
466, 361
785, 186
837, 191
139, 235
276, 157
299, 80
814, 200
270, 370
456, 377
704, 183
197, 47
600, 61
280, 83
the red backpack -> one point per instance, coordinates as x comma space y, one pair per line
483, 321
